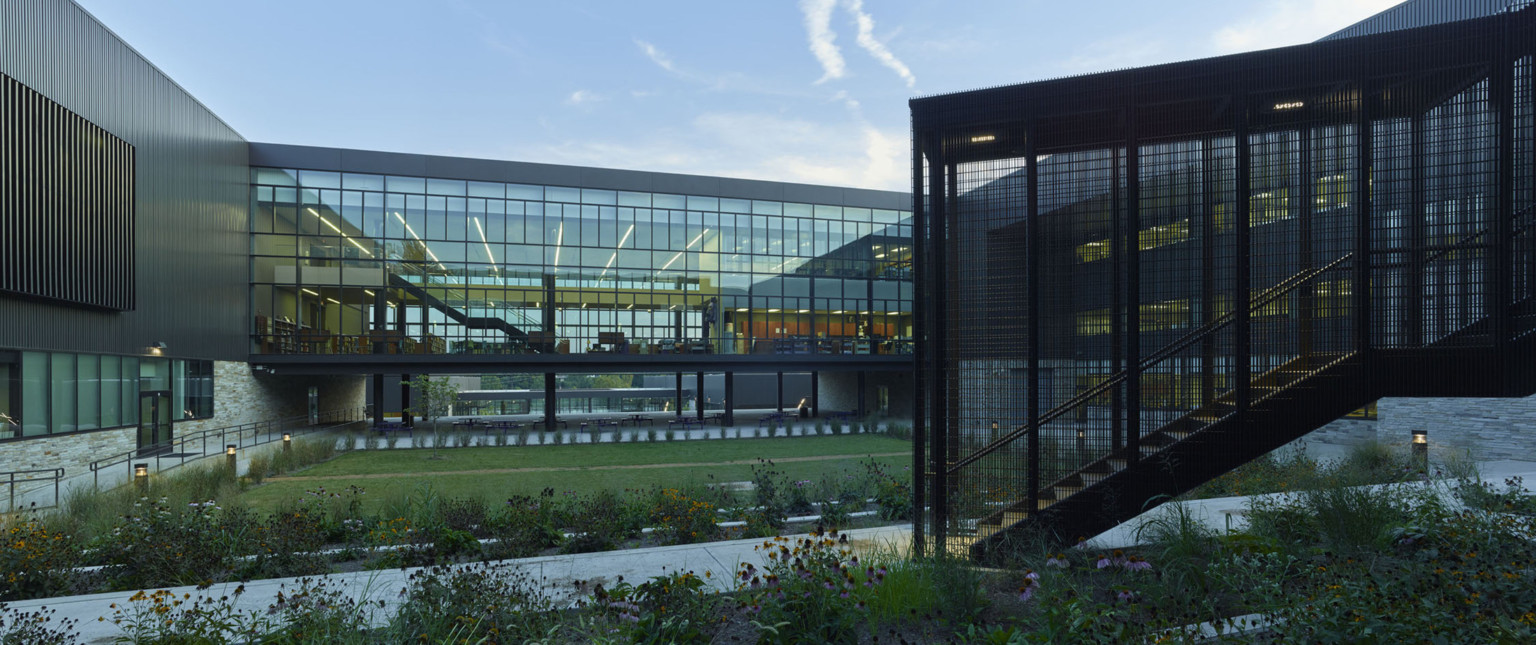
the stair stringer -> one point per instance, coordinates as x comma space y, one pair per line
1179, 467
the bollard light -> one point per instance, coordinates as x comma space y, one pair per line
1421, 448
287, 442
141, 477
229, 459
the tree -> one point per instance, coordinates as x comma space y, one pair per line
431, 399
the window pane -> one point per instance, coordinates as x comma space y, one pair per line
34, 393
63, 392
111, 392
90, 392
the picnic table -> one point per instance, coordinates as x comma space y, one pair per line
383, 427
637, 419
772, 418
684, 421
840, 415
717, 416
599, 423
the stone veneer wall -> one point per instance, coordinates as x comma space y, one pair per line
840, 391
243, 396
240, 396
72, 452
1490, 429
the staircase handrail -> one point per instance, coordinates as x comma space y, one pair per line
1221, 322
272, 429
53, 474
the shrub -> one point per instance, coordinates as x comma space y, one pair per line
681, 519
158, 545
523, 527
480, 603
37, 562
33, 628
813, 590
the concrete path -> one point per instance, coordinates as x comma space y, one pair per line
557, 575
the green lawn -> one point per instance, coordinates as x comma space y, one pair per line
847, 452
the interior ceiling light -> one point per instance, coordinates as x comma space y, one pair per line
369, 292
559, 242
485, 242
312, 293
983, 138
741, 310
334, 300
805, 311
838, 311
1290, 105
424, 246
773, 311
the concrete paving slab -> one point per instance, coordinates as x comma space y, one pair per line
557, 575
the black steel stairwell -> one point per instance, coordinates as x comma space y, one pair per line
1130, 283
1106, 487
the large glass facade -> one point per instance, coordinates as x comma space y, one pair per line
48, 393
356, 263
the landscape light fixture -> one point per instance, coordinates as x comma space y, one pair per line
1421, 448
141, 476
229, 460
287, 442
156, 348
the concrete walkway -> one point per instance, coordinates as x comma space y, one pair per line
557, 575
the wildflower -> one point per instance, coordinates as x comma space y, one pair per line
1137, 564
1058, 561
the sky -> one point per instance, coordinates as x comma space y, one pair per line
810, 91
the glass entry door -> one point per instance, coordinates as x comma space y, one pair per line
154, 422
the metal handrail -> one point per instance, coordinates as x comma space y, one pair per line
54, 474
1221, 322
244, 435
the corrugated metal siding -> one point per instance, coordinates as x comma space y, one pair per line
1423, 13
191, 198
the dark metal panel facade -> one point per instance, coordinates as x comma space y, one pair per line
190, 194
1138, 280
417, 165
1423, 13
67, 208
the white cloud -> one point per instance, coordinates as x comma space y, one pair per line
877, 49
1278, 23
580, 97
818, 28
656, 55
753, 146
1117, 53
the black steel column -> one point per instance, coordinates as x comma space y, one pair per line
815, 394
730, 401
1413, 314
920, 347
678, 404
779, 400
698, 396
405, 401
1208, 184
863, 406
1362, 199
380, 320
378, 399
1242, 286
1031, 315
1501, 93
1131, 245
550, 403
548, 312
1306, 293
1116, 303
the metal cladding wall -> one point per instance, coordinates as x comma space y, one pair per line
192, 188
1423, 13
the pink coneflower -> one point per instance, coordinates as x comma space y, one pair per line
1059, 561
1137, 564
1103, 562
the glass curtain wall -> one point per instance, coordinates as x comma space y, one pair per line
352, 263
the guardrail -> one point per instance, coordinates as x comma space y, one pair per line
15, 477
196, 445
